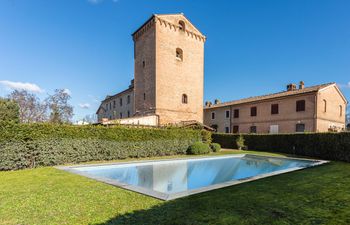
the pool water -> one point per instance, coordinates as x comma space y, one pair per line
183, 176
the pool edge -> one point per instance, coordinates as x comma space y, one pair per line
168, 197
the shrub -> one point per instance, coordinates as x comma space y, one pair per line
215, 147
329, 146
9, 111
240, 142
206, 136
198, 148
32, 145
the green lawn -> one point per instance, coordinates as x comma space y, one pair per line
319, 195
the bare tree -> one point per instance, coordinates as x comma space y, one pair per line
31, 109
60, 110
92, 118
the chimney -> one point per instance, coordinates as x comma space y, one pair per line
208, 103
301, 85
291, 87
217, 101
131, 83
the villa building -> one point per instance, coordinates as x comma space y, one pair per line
318, 108
169, 73
168, 88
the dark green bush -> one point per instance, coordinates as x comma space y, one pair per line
215, 147
330, 146
32, 145
198, 148
9, 111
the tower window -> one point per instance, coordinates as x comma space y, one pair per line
184, 99
144, 96
182, 25
143, 64
179, 54
324, 105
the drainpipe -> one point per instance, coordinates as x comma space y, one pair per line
316, 103
231, 114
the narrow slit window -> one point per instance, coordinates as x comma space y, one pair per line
184, 99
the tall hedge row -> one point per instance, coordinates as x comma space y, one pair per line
32, 145
330, 146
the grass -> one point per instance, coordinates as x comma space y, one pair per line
319, 195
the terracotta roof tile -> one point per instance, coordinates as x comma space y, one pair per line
271, 96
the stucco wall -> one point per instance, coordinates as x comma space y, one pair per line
329, 116
112, 108
286, 119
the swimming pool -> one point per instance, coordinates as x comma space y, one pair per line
170, 179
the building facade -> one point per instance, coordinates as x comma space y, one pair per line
319, 108
169, 72
118, 106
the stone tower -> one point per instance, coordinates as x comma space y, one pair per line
169, 69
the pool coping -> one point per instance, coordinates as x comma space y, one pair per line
166, 197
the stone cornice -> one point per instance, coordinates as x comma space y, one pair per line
176, 27
165, 24
144, 28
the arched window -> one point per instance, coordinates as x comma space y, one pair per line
182, 25
184, 99
340, 110
179, 54
324, 105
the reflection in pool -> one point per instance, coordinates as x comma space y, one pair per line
176, 176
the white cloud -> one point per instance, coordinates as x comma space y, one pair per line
95, 2
67, 91
84, 105
21, 86
345, 85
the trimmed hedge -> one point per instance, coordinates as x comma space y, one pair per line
32, 145
330, 146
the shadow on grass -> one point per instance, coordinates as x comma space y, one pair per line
312, 196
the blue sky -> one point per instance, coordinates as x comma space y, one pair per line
254, 47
